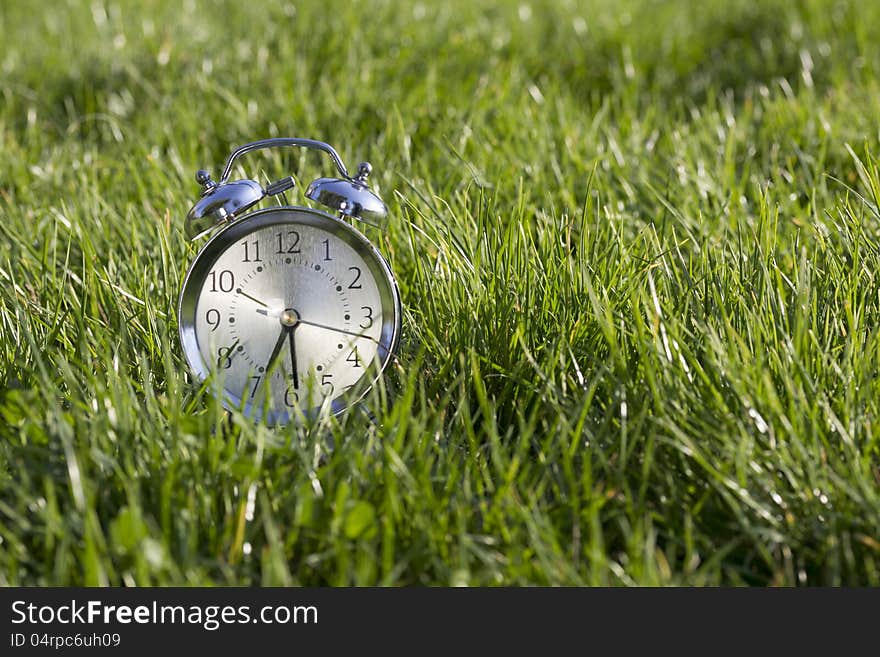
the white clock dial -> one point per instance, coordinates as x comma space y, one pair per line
291, 314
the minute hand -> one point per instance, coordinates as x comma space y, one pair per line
337, 330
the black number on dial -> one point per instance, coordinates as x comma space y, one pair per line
224, 357
256, 251
354, 285
287, 397
325, 381
327, 250
292, 242
368, 317
256, 384
213, 318
353, 358
225, 281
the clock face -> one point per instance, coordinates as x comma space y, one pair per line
291, 311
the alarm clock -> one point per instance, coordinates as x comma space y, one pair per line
288, 309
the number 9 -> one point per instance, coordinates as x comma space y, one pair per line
213, 312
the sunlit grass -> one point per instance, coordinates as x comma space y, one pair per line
638, 250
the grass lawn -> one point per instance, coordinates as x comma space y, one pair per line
638, 246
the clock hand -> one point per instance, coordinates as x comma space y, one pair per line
295, 374
248, 296
277, 349
270, 313
337, 330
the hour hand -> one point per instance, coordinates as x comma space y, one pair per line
277, 349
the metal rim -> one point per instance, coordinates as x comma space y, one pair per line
228, 236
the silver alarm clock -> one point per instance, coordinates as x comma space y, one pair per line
290, 309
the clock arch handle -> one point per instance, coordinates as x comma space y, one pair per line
278, 142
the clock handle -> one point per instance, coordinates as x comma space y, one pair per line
278, 142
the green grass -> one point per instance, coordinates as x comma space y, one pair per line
638, 246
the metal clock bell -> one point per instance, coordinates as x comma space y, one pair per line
291, 309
